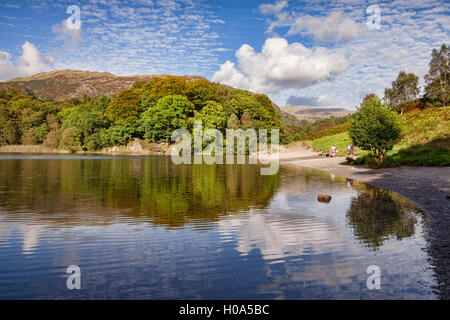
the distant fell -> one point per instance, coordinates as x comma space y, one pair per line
311, 114
67, 84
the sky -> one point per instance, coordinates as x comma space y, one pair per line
306, 53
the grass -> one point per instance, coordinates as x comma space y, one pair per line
340, 141
426, 140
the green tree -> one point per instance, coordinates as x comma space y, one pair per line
116, 135
246, 120
212, 116
437, 79
233, 122
170, 85
200, 92
169, 113
404, 89
124, 108
375, 127
83, 122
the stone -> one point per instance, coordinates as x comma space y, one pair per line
323, 198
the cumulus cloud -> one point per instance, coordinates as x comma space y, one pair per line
309, 101
279, 66
30, 62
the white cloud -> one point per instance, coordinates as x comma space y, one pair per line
335, 27
273, 8
173, 37
409, 31
30, 62
279, 66
71, 37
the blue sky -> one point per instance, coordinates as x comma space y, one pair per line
310, 53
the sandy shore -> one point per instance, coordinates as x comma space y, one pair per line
428, 187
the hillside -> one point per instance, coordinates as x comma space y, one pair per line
426, 139
66, 84
148, 110
311, 114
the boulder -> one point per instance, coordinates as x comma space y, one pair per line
323, 198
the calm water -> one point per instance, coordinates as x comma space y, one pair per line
143, 228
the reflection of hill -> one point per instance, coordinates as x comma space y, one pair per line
146, 188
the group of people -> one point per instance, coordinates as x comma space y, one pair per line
350, 149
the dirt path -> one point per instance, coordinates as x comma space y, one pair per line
428, 187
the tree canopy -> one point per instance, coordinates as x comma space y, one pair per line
404, 89
375, 127
437, 79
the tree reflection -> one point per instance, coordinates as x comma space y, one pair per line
376, 216
152, 188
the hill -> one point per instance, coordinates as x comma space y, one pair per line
311, 114
66, 84
149, 109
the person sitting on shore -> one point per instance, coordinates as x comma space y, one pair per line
333, 151
350, 149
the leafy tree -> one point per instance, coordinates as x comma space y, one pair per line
246, 120
163, 87
169, 113
82, 122
270, 116
9, 133
375, 127
233, 122
404, 89
70, 139
124, 108
212, 116
118, 134
200, 92
437, 79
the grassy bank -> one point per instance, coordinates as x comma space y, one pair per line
426, 140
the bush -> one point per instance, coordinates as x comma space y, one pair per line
376, 128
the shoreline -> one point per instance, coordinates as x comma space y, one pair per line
427, 187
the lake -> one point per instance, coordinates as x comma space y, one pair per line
144, 228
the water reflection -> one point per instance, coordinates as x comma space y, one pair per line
143, 228
144, 188
375, 217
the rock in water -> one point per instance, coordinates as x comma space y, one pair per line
323, 198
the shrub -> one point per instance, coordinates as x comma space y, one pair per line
375, 127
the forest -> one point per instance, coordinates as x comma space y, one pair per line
149, 110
